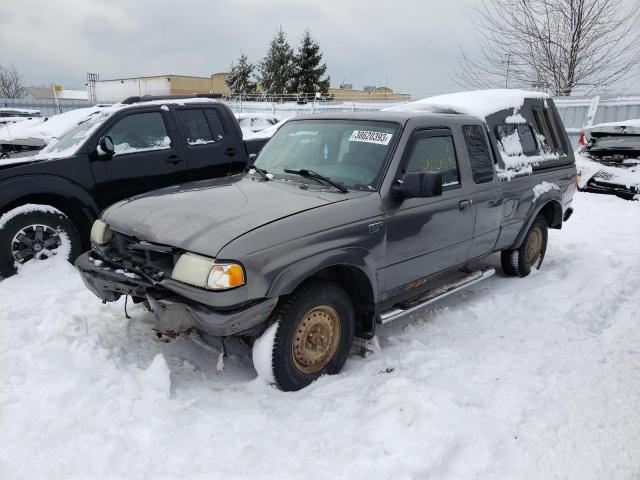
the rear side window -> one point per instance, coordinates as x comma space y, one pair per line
481, 163
552, 130
517, 139
215, 123
196, 127
435, 154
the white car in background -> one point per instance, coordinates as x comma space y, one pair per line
33, 134
15, 115
255, 122
608, 160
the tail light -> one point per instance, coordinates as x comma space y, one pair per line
581, 140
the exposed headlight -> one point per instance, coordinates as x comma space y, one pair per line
101, 234
205, 272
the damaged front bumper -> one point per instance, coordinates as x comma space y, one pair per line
172, 311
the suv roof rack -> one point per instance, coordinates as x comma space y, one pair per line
150, 98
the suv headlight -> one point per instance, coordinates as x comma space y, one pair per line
101, 234
205, 272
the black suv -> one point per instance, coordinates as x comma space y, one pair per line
49, 201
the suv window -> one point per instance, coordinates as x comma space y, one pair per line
481, 163
196, 127
139, 132
215, 123
517, 139
435, 154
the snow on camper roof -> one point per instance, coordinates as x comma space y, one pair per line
478, 103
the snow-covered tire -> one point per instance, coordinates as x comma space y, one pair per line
519, 262
311, 336
50, 232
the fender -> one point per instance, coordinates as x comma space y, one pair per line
354, 257
552, 200
46, 185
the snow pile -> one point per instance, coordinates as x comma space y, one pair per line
511, 379
478, 103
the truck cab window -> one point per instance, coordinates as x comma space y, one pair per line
435, 154
139, 132
481, 162
517, 139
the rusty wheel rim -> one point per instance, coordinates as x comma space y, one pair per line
534, 246
316, 339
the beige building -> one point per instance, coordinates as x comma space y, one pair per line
121, 88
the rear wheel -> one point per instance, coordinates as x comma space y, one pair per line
519, 262
314, 331
36, 236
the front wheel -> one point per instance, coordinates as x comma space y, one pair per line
36, 235
519, 262
311, 336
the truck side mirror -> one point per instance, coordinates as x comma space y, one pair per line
105, 146
418, 185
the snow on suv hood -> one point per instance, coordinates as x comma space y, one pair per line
202, 217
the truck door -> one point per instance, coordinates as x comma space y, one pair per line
487, 193
211, 149
428, 235
146, 157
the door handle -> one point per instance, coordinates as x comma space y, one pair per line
464, 204
230, 151
174, 160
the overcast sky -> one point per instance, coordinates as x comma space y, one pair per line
410, 45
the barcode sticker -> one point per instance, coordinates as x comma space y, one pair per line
380, 138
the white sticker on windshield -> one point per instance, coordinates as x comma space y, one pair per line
380, 138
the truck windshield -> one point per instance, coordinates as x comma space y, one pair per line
69, 141
350, 152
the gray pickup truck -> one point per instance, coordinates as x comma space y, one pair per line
343, 223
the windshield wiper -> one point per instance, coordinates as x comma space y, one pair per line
263, 173
304, 172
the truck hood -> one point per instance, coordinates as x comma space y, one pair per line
202, 217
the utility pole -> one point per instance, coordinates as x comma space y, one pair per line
507, 62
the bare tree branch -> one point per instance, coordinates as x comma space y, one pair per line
553, 45
10, 82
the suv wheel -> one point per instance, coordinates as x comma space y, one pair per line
311, 336
36, 235
519, 262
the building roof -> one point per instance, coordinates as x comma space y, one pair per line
64, 94
152, 76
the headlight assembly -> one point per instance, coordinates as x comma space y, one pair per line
101, 234
205, 272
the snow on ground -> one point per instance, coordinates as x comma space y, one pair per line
534, 378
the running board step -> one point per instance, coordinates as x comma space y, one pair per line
436, 294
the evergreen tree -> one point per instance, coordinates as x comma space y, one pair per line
276, 69
309, 69
239, 78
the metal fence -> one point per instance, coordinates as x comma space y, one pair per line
48, 107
